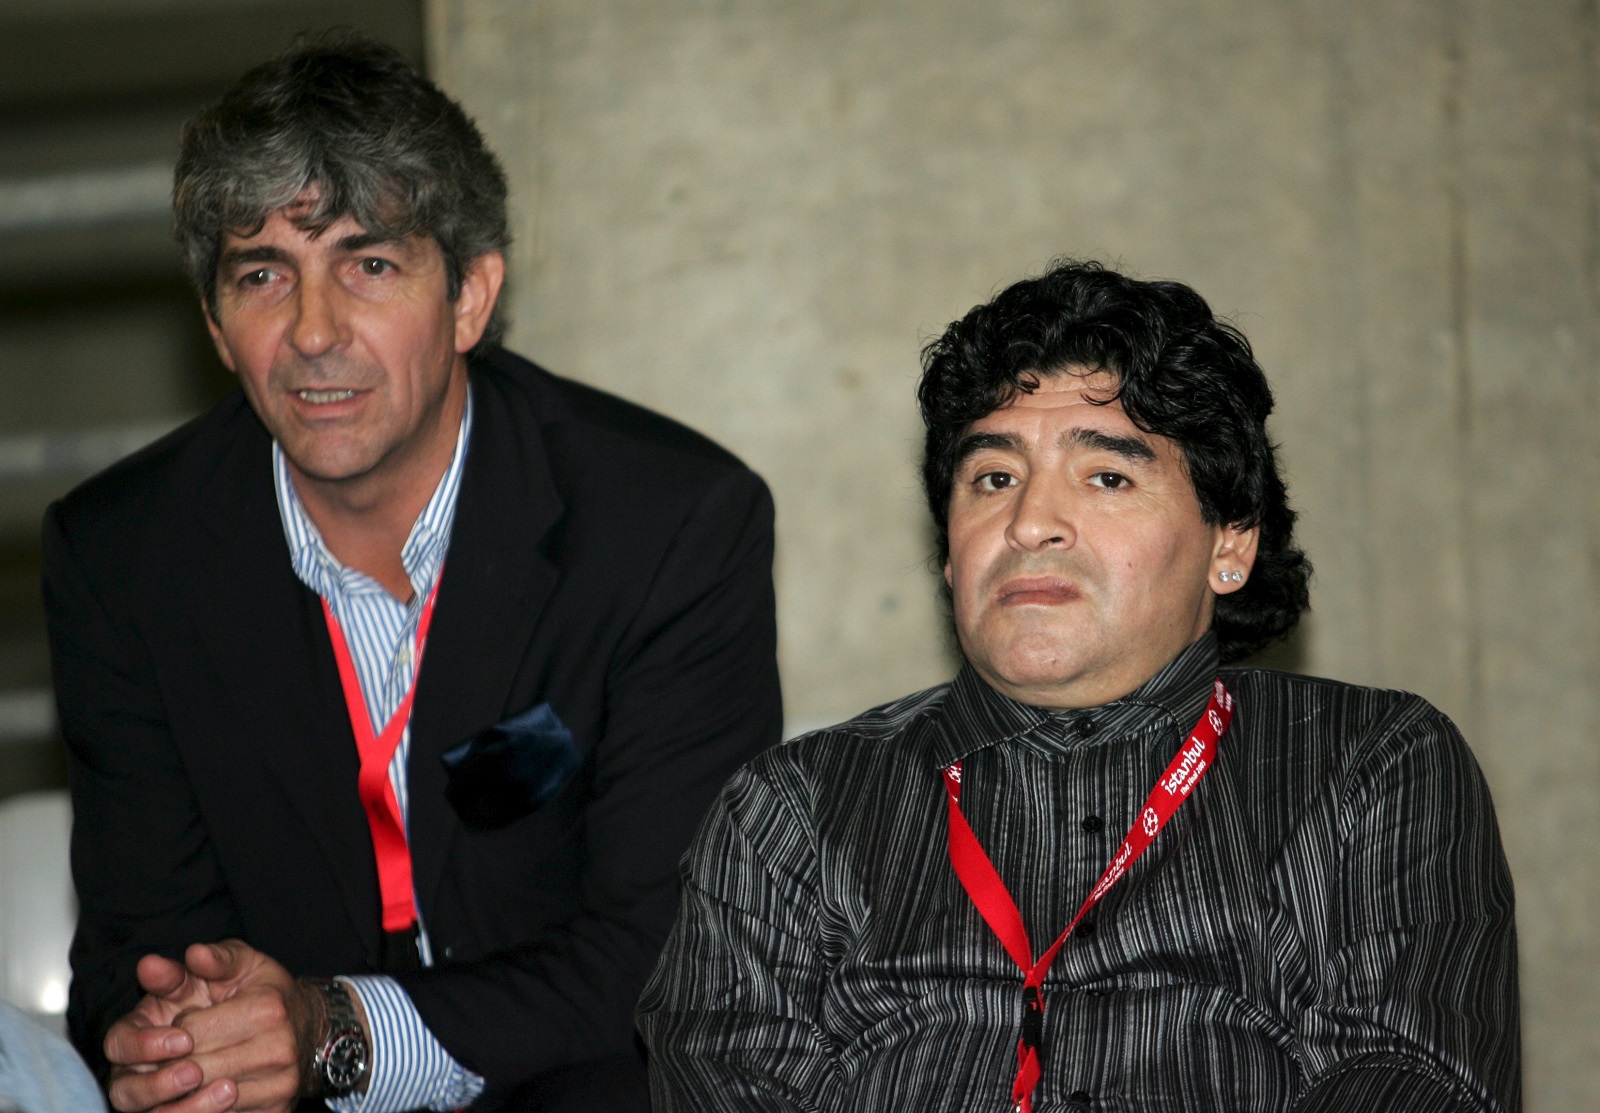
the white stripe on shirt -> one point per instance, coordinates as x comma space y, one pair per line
410, 1068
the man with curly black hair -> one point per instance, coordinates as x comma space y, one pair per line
929, 907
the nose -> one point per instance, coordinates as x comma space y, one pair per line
318, 326
1044, 514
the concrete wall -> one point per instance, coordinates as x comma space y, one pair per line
750, 214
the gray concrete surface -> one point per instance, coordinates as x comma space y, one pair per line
751, 214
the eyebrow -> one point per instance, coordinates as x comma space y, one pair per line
358, 241
1133, 449
1128, 447
234, 256
978, 442
265, 253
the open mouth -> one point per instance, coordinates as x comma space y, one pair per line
322, 397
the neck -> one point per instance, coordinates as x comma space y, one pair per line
367, 538
365, 520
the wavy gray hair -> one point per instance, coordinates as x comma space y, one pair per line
348, 125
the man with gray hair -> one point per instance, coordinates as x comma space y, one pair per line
395, 684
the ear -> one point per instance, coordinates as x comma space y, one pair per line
949, 580
1234, 551
480, 290
218, 338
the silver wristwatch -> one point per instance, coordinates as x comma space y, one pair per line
345, 1055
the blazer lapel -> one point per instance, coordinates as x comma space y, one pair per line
496, 581
266, 636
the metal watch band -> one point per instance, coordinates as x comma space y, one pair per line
342, 1060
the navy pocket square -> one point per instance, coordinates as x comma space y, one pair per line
506, 771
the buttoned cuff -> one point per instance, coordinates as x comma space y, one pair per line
410, 1069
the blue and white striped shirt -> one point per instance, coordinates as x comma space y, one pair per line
410, 1068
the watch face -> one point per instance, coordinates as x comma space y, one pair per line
345, 1062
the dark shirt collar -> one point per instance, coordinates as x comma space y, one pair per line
976, 716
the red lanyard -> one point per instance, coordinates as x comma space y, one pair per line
982, 882
373, 784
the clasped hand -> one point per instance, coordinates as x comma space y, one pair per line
226, 1029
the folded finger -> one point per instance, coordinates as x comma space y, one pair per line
160, 976
128, 1043
211, 1098
266, 1069
236, 1021
134, 1089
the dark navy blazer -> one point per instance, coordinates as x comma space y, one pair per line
603, 559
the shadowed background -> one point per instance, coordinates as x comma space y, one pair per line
751, 214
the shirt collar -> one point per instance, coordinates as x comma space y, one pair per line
422, 555
976, 716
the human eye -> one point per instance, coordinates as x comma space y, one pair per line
256, 276
1110, 480
374, 265
994, 481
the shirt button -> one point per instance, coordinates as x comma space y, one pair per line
1079, 1097
1093, 824
1084, 930
1086, 727
450, 952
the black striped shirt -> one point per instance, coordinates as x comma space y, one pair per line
1326, 924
